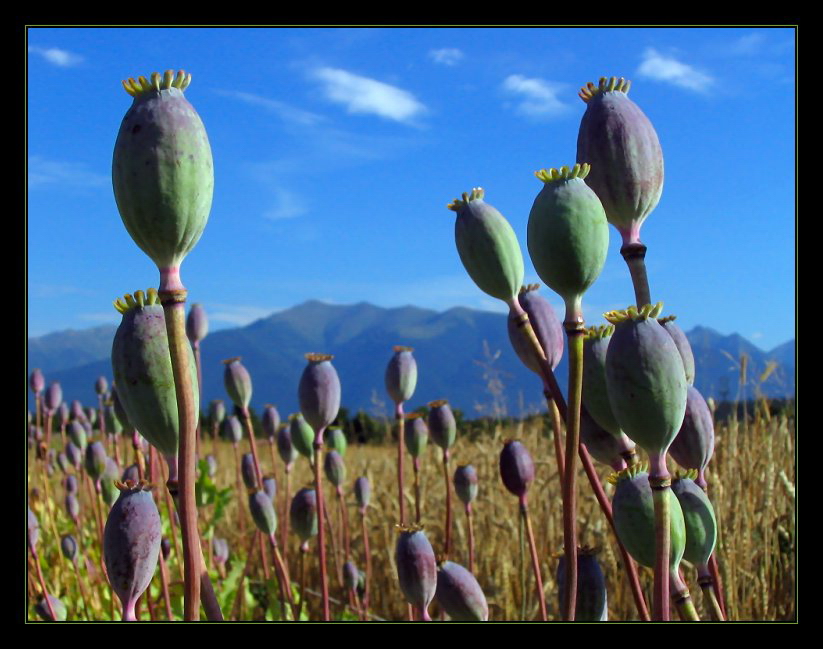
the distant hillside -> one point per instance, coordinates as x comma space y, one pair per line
460, 353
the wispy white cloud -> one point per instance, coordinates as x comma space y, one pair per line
283, 110
362, 95
748, 44
44, 173
538, 97
446, 56
658, 67
288, 205
58, 57
757, 335
238, 314
100, 317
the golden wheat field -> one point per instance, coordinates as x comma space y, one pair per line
751, 485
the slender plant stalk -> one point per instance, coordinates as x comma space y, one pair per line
321, 533
344, 515
238, 597
195, 346
416, 465
283, 579
164, 582
253, 445
367, 554
709, 599
635, 256
338, 567
660, 482
261, 542
557, 430
241, 522
470, 523
304, 550
285, 518
714, 568
447, 544
398, 416
521, 537
171, 508
524, 513
683, 602
42, 581
81, 589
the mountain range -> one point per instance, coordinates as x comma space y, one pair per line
463, 355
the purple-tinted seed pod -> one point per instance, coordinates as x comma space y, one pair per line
162, 169
143, 371
37, 381
351, 575
693, 446
362, 492
217, 411
165, 548
270, 421
645, 378
336, 439
68, 546
620, 143
288, 453
237, 381
131, 544
699, 518
303, 514
91, 417
633, 510
72, 504
220, 549
602, 445
401, 374
232, 429
248, 471
53, 398
77, 412
65, 413
592, 605
108, 482
415, 434
113, 425
335, 468
96, 460
33, 529
132, 472
683, 345
63, 461
197, 324
546, 326
595, 389
74, 454
459, 594
211, 461
60, 611
77, 435
101, 385
262, 512
516, 467
319, 391
487, 246
442, 425
302, 435
416, 567
465, 483
71, 484
270, 487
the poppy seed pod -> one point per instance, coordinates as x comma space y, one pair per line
71, 484
37, 381
683, 345
693, 446
77, 437
516, 467
287, 451
633, 510
131, 543
162, 169
416, 434
33, 528
487, 246
620, 143
53, 398
416, 567
270, 421
465, 483
302, 436
74, 454
165, 548
351, 575
143, 373
217, 411
101, 385
442, 425
699, 518
211, 462
65, 414
232, 429
63, 461
335, 468
362, 492
319, 392
270, 487
546, 327
96, 460
604, 447
237, 380
336, 439
591, 587
59, 608
595, 391
645, 378
459, 594
568, 234
131, 472
221, 550
262, 511
197, 324
401, 374
68, 546
248, 471
303, 514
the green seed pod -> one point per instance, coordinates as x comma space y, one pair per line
262, 511
237, 380
142, 368
401, 374
698, 515
442, 425
302, 435
415, 434
633, 509
645, 378
617, 452
620, 143
162, 170
487, 246
335, 468
595, 391
336, 439
568, 234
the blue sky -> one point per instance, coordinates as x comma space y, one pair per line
336, 151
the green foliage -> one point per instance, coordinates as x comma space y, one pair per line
207, 494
